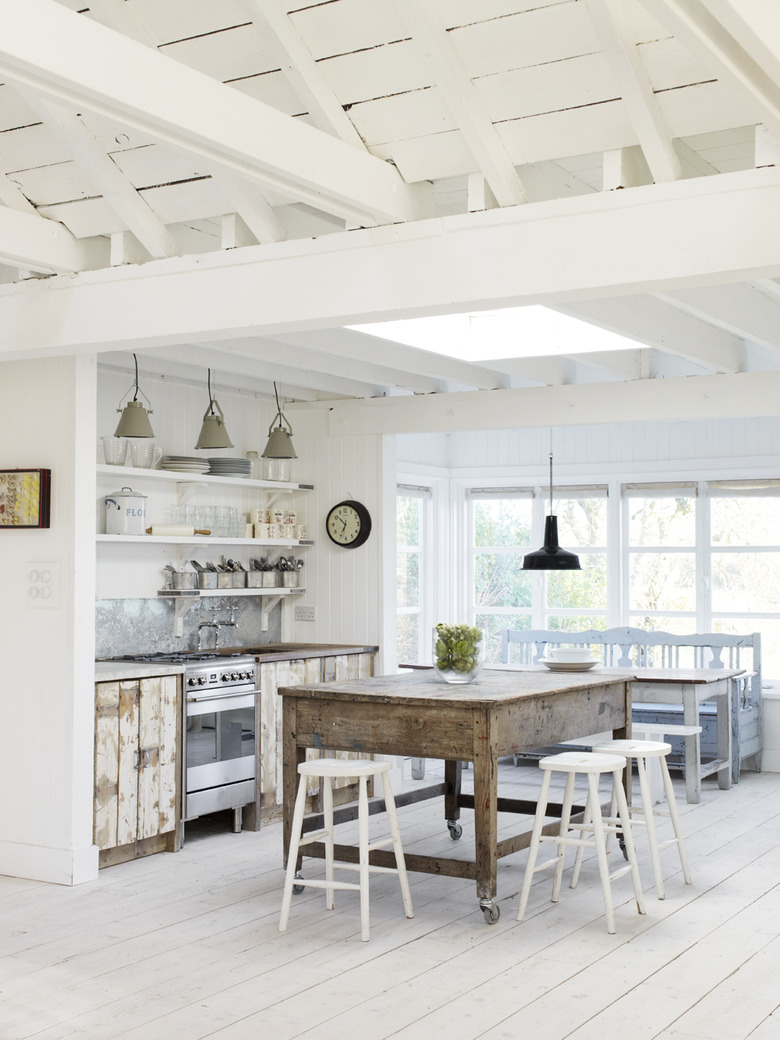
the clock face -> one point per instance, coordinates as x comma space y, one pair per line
349, 524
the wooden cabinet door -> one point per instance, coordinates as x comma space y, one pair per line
136, 763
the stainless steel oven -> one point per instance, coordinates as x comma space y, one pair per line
220, 742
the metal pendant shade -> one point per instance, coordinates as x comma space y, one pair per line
213, 432
551, 557
135, 418
279, 445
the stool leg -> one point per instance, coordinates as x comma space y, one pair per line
292, 853
628, 837
601, 851
400, 862
327, 811
563, 830
649, 818
533, 847
586, 819
363, 841
674, 816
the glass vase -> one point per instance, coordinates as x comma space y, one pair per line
458, 653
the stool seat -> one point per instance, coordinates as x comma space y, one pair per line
328, 770
644, 752
593, 765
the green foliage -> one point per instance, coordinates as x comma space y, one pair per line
456, 648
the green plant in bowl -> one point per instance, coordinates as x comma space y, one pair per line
457, 652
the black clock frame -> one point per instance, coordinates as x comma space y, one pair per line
365, 524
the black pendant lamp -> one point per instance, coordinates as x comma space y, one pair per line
135, 418
551, 557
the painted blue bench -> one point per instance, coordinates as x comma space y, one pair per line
635, 647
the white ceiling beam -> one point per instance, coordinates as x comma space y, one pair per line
664, 325
478, 261
427, 26
610, 21
102, 71
13, 197
743, 310
683, 398
87, 152
241, 360
739, 42
45, 246
356, 345
244, 197
301, 71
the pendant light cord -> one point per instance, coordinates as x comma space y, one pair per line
211, 399
135, 395
551, 485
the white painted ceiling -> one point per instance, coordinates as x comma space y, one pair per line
146, 139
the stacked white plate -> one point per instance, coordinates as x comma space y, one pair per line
184, 464
230, 467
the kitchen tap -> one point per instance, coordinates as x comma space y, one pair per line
216, 625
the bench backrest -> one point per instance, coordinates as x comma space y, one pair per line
629, 647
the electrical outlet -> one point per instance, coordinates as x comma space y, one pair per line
305, 613
43, 585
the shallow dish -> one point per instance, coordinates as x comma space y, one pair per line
567, 666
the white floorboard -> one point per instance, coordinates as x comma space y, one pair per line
186, 946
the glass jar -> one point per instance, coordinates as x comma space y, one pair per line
458, 653
256, 464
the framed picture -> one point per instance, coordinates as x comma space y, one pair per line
25, 496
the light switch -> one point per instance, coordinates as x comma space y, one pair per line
43, 584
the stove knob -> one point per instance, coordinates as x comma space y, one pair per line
225, 677
243, 675
234, 676
192, 681
202, 680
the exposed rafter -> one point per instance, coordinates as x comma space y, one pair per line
428, 28
611, 23
191, 112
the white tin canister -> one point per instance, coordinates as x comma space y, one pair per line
125, 512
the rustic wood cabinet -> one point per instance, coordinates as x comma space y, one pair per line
137, 767
274, 674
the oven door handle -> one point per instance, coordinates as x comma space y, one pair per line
225, 694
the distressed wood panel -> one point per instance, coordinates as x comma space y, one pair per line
127, 794
169, 754
106, 763
149, 734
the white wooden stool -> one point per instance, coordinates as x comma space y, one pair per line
593, 766
660, 731
328, 770
643, 752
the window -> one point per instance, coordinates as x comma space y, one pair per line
506, 524
662, 564
412, 521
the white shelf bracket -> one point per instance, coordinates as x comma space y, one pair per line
268, 606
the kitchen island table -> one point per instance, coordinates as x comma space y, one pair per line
416, 715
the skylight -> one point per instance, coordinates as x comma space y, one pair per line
489, 335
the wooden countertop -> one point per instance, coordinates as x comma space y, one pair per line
115, 671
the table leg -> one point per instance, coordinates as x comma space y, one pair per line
692, 745
292, 757
485, 761
452, 781
723, 717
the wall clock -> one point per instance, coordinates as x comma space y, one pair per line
348, 524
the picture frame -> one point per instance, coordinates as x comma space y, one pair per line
25, 498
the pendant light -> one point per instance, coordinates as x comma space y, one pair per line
135, 418
551, 557
213, 433
279, 445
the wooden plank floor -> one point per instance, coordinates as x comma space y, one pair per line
186, 946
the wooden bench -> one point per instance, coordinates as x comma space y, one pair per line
635, 647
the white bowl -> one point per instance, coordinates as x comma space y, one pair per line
571, 654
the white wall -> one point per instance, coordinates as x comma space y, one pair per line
47, 693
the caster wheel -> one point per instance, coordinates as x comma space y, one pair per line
297, 889
491, 912
455, 830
